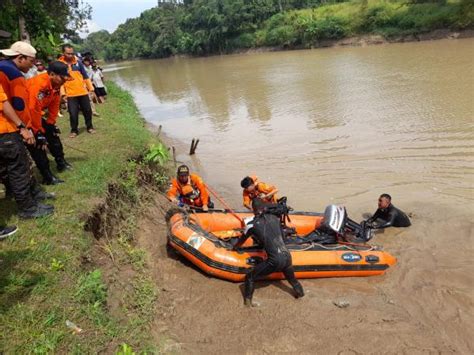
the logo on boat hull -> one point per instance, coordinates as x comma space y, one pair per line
351, 257
195, 241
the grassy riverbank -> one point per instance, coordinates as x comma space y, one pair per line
389, 19
52, 270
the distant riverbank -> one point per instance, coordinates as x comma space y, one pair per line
367, 40
212, 28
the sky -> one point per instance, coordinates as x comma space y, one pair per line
108, 14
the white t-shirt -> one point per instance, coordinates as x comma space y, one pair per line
96, 78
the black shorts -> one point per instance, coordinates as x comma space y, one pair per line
100, 91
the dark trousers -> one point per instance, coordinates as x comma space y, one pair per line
54, 144
42, 162
73, 106
267, 267
14, 169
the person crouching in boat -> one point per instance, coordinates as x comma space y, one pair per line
265, 229
189, 189
388, 215
253, 188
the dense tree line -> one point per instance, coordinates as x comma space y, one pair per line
201, 27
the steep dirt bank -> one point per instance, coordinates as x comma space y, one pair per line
419, 307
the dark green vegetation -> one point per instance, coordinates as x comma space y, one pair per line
48, 22
52, 270
202, 27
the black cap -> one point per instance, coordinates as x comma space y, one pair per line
58, 68
183, 170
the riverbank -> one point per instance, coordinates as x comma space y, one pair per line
367, 40
54, 270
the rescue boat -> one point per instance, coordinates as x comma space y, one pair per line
206, 239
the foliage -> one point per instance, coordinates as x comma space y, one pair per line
47, 22
158, 153
202, 27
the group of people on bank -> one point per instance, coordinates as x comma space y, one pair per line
30, 100
188, 189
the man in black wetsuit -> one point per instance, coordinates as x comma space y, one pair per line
388, 214
266, 231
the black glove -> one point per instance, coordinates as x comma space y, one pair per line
56, 130
40, 140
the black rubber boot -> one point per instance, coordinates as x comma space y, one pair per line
52, 180
63, 166
299, 292
35, 212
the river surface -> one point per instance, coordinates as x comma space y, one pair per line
343, 125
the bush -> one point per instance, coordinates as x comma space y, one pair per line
284, 36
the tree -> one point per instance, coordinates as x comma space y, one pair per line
47, 22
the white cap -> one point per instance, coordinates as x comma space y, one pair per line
19, 48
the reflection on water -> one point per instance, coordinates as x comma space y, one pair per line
324, 125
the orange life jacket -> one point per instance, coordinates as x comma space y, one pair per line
81, 83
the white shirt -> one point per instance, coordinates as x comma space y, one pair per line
96, 78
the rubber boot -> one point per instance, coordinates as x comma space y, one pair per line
35, 212
250, 303
299, 292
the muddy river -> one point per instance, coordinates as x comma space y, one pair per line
343, 125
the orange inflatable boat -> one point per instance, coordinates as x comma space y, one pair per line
207, 239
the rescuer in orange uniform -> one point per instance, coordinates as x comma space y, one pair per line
189, 189
77, 91
254, 188
14, 119
44, 94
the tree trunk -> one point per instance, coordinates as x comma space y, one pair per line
24, 35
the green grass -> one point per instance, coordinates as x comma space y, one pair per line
48, 273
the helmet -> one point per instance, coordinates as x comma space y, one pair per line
183, 170
248, 224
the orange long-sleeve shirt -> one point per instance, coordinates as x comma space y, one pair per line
260, 188
80, 84
195, 182
42, 96
14, 86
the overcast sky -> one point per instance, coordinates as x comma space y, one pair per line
108, 14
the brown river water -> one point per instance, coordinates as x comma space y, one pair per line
343, 125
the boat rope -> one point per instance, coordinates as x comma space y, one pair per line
221, 200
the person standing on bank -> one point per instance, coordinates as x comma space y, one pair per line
21, 56
388, 215
14, 161
44, 93
77, 91
265, 229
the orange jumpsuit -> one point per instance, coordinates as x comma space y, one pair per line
260, 188
193, 193
42, 96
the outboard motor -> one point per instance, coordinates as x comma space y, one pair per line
336, 219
